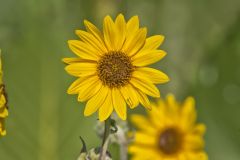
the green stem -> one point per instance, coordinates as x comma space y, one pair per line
105, 139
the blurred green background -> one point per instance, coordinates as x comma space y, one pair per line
203, 45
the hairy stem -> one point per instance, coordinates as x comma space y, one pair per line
105, 139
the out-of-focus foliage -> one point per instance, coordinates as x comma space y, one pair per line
203, 45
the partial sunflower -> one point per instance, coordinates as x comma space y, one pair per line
111, 66
3, 103
169, 133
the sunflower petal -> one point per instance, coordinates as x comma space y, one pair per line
91, 41
3, 100
144, 152
135, 148
147, 57
188, 113
143, 99
194, 142
79, 83
2, 127
199, 129
91, 28
121, 31
198, 155
153, 42
135, 42
129, 94
145, 85
81, 69
89, 89
83, 50
109, 31
96, 101
172, 107
157, 114
143, 124
4, 112
119, 104
145, 139
75, 86
106, 109
154, 75
73, 60
132, 25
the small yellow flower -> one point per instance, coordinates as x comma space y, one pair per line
170, 132
111, 66
3, 103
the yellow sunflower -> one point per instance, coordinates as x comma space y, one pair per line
3, 103
111, 66
170, 132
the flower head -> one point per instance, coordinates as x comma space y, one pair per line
111, 66
170, 132
3, 103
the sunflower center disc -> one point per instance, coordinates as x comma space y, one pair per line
170, 141
115, 69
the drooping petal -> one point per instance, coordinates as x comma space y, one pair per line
106, 109
154, 75
96, 101
81, 69
134, 42
83, 50
147, 57
119, 104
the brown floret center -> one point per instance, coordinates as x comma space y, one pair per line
115, 69
170, 141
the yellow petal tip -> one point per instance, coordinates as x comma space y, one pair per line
85, 21
64, 60
78, 32
86, 114
120, 15
107, 17
123, 117
70, 42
